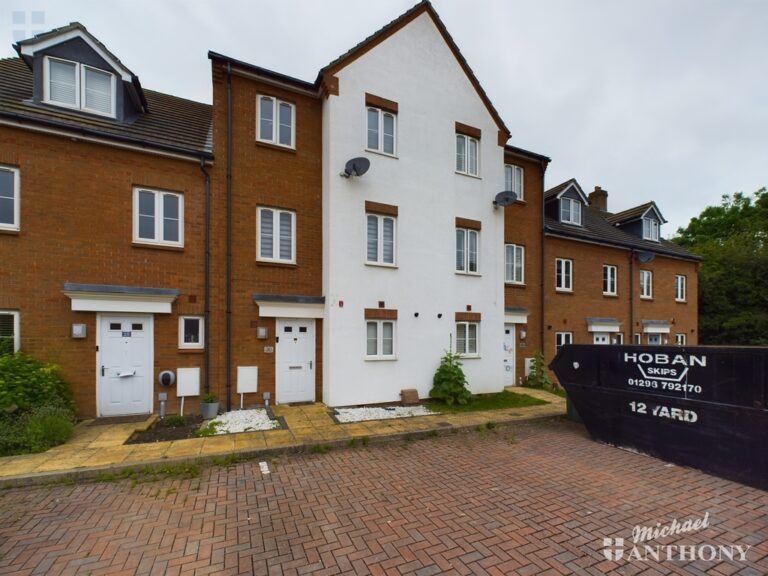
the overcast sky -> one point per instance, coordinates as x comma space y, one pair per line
650, 99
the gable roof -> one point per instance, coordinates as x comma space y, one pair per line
175, 124
561, 189
27, 48
635, 214
393, 27
514, 150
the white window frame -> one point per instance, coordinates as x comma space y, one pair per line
509, 180
564, 286
652, 233
571, 211
16, 224
518, 253
275, 235
466, 168
610, 279
380, 131
159, 217
562, 339
680, 288
637, 338
80, 87
619, 339
191, 345
465, 259
274, 138
466, 353
380, 340
680, 339
380, 240
646, 284
16, 326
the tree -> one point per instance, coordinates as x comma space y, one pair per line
733, 279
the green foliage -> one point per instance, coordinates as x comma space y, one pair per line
35, 430
496, 401
539, 378
175, 421
208, 430
210, 398
6, 346
733, 278
26, 383
449, 384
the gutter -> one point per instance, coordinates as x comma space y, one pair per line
206, 276
632, 295
228, 359
544, 164
91, 133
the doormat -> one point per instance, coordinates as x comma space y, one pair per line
119, 420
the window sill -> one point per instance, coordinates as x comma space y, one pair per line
10, 231
647, 298
276, 264
571, 223
475, 176
515, 284
380, 153
473, 274
191, 350
681, 301
273, 146
157, 246
605, 295
564, 291
521, 201
378, 265
469, 356
380, 358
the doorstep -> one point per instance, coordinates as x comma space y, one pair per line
95, 450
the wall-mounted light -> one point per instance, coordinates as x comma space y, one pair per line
79, 330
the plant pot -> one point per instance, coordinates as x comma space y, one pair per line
209, 410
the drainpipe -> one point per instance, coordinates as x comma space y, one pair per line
206, 275
541, 261
228, 359
632, 296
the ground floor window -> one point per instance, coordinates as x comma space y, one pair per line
563, 338
191, 332
9, 331
680, 339
638, 338
380, 339
618, 338
467, 338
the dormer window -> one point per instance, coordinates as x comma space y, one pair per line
650, 229
79, 86
570, 211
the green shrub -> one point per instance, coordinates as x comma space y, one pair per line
35, 430
208, 430
25, 383
210, 398
538, 378
174, 421
449, 383
6, 346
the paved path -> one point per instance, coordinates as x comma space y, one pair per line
536, 498
94, 449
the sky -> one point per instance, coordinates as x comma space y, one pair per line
663, 100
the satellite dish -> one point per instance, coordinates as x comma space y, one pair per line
504, 198
645, 256
356, 167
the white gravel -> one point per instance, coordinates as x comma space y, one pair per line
370, 413
244, 421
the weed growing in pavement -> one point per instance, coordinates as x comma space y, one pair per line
226, 461
490, 425
432, 434
208, 430
365, 440
320, 449
351, 443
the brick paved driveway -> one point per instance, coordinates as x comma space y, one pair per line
535, 499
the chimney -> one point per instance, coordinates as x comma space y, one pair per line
599, 199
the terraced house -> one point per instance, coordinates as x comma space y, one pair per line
299, 241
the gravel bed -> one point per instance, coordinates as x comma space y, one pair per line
244, 421
371, 413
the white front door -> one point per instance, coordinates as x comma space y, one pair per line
601, 338
124, 365
510, 332
295, 360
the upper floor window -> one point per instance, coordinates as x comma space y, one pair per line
466, 250
646, 284
9, 331
563, 274
513, 180
570, 211
79, 86
514, 264
651, 229
609, 280
680, 288
381, 131
9, 198
158, 217
276, 122
276, 236
380, 237
467, 155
